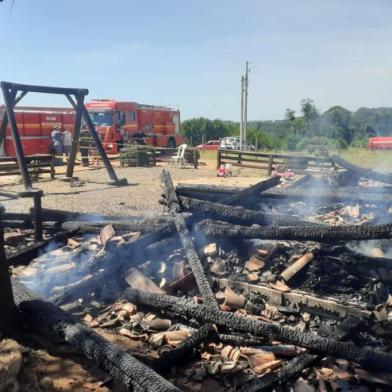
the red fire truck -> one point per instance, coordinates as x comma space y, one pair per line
121, 122
116, 123
35, 126
380, 143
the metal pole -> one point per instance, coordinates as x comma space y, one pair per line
76, 134
9, 100
246, 101
112, 174
242, 113
7, 306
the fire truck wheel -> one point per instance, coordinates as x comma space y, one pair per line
171, 143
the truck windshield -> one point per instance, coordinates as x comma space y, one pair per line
102, 118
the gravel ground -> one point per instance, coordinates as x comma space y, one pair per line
140, 197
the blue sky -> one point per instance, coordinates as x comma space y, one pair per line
191, 53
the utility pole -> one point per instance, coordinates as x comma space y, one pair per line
246, 82
242, 113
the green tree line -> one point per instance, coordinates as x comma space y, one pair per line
336, 127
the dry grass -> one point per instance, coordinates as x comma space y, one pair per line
377, 160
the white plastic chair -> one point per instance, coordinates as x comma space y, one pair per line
179, 158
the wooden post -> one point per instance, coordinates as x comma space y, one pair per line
37, 215
270, 163
195, 163
52, 170
218, 159
7, 306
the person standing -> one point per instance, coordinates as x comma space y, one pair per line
57, 145
67, 142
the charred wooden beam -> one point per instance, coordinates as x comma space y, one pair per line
17, 224
239, 215
227, 195
186, 308
64, 216
55, 323
185, 350
297, 299
253, 190
324, 194
223, 190
330, 196
362, 172
288, 371
144, 227
7, 307
193, 258
250, 202
10, 216
326, 234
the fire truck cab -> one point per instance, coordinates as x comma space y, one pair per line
129, 122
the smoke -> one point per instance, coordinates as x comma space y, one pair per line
372, 248
58, 266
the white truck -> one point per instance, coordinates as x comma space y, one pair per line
233, 143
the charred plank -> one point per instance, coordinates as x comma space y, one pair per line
145, 226
64, 216
253, 190
288, 371
238, 215
175, 208
326, 234
330, 196
203, 188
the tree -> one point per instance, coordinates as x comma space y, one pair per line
309, 109
195, 128
289, 114
339, 121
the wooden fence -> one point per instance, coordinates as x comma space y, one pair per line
270, 162
36, 165
157, 154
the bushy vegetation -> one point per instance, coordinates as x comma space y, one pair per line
336, 128
197, 128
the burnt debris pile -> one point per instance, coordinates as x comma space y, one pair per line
251, 289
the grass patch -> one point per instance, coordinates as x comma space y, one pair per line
376, 160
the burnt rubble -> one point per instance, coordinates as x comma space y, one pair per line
117, 362
250, 288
